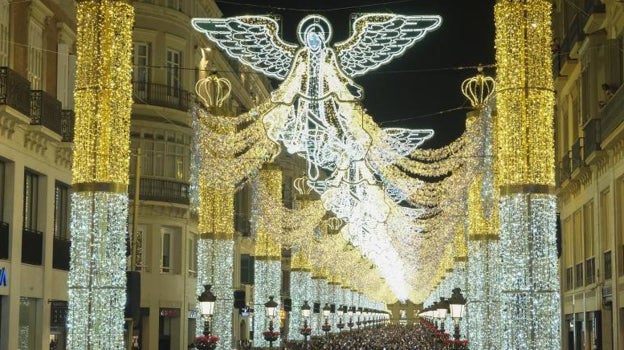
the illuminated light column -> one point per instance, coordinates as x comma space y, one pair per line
215, 256
300, 283
268, 265
525, 168
317, 286
97, 277
333, 287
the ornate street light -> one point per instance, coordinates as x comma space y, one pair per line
340, 311
457, 304
442, 310
326, 327
206, 308
358, 313
350, 314
270, 309
305, 311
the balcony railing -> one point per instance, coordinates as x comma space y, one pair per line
591, 139
4, 240
162, 95
14, 90
32, 244
574, 33
161, 190
67, 125
60, 253
564, 169
612, 114
45, 110
577, 154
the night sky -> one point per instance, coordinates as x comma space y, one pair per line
416, 89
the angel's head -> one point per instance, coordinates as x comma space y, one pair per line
314, 31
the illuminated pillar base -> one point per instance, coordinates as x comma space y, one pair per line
223, 252
268, 276
483, 310
300, 283
97, 274
204, 275
530, 316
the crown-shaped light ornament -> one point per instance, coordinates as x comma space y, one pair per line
213, 91
478, 89
301, 185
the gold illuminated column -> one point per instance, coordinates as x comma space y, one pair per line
97, 279
268, 266
525, 169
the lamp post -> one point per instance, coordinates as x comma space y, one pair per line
350, 314
457, 304
442, 310
326, 327
358, 313
270, 309
206, 308
305, 311
340, 312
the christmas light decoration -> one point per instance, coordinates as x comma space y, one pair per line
103, 94
525, 172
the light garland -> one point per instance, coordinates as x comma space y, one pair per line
525, 159
268, 276
97, 278
300, 283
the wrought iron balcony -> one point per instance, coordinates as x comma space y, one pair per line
564, 170
162, 95
591, 131
14, 90
45, 110
60, 253
68, 118
32, 244
4, 240
577, 154
161, 190
612, 114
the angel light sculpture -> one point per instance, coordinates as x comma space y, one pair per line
316, 110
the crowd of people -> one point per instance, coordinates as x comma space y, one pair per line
393, 337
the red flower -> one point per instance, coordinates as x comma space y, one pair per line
202, 339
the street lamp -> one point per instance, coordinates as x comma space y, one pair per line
270, 309
305, 311
442, 310
206, 308
340, 312
350, 314
326, 327
358, 313
457, 304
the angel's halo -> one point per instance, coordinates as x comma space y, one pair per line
311, 22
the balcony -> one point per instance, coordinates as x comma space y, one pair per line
60, 253
576, 154
162, 95
68, 118
161, 190
564, 170
574, 35
595, 10
45, 110
4, 240
14, 90
32, 244
612, 115
591, 130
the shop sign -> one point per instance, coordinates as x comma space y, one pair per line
58, 313
4, 277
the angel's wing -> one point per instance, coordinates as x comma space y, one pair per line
253, 40
378, 38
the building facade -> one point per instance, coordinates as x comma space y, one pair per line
588, 70
37, 65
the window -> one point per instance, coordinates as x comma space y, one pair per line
35, 55
4, 33
578, 272
569, 279
590, 268
173, 73
166, 250
607, 265
31, 200
192, 255
141, 71
247, 269
2, 189
62, 203
165, 153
